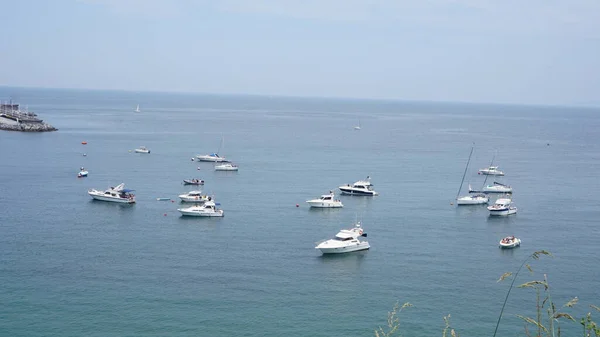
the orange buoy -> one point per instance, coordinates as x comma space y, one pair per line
84, 142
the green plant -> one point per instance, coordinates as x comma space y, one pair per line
393, 322
589, 325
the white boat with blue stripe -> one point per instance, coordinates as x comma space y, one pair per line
361, 187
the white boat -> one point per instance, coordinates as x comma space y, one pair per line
471, 199
142, 149
82, 173
137, 108
358, 126
213, 157
502, 207
194, 196
497, 187
361, 187
208, 209
491, 171
345, 241
326, 201
510, 242
226, 167
114, 194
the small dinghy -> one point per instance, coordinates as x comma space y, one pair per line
193, 182
163, 199
82, 173
510, 242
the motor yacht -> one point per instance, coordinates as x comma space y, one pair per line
213, 157
82, 173
502, 207
361, 187
491, 171
226, 167
142, 149
510, 242
326, 201
114, 194
345, 241
208, 209
194, 196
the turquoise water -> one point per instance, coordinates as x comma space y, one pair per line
74, 267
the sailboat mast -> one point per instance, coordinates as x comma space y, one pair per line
486, 176
465, 173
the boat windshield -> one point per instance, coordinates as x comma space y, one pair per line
343, 239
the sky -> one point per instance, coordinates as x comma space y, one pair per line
489, 51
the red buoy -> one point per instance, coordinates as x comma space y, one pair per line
165, 214
297, 205
84, 142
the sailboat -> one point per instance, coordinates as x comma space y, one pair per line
496, 187
137, 108
471, 199
358, 126
213, 157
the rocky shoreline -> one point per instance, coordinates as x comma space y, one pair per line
27, 127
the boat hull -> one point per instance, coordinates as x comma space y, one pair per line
350, 191
112, 199
321, 204
226, 168
189, 182
497, 189
472, 200
503, 212
82, 174
192, 199
218, 213
345, 249
491, 173
211, 159
142, 151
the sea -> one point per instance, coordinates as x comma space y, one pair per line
71, 266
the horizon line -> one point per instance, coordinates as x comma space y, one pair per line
366, 99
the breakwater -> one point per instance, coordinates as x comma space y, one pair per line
27, 127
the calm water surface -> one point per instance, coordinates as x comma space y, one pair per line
74, 267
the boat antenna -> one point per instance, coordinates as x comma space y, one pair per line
465, 173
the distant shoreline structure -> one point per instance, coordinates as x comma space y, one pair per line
12, 118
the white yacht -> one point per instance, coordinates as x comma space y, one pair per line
361, 187
345, 241
502, 207
326, 201
114, 194
82, 173
208, 209
510, 242
194, 196
213, 157
142, 149
226, 167
491, 171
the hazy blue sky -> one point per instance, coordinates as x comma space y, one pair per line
507, 51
